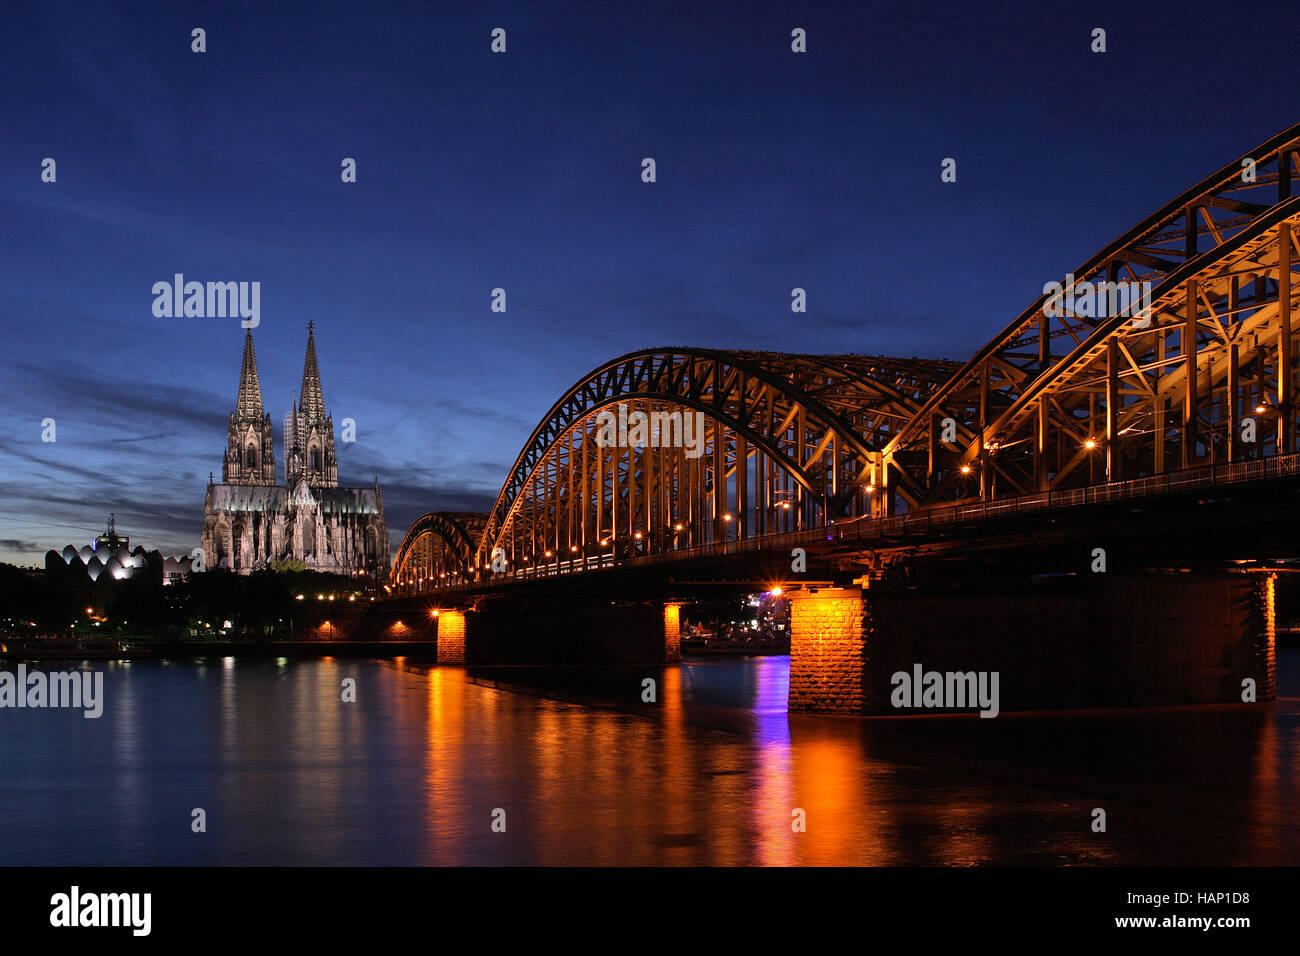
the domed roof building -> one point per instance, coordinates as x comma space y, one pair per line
91, 574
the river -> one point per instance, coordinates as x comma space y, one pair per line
429, 765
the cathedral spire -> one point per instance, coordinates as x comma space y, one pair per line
248, 407
312, 404
250, 451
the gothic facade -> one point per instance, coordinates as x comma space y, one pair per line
250, 521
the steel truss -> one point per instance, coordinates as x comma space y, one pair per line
787, 441
437, 551
1067, 395
1062, 399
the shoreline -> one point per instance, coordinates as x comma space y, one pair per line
26, 651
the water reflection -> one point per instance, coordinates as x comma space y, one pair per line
589, 768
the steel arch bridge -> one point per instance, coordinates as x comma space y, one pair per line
670, 449
1066, 396
1091, 383
437, 551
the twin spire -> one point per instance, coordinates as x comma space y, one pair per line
310, 403
248, 407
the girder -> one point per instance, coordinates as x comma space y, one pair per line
1084, 386
1063, 395
801, 432
437, 550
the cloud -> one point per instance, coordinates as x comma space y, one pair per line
18, 544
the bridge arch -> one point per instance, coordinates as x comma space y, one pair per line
757, 442
1066, 395
438, 549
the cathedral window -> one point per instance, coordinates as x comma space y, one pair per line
250, 458
315, 459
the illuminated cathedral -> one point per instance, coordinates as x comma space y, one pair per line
251, 522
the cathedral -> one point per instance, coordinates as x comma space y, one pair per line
250, 522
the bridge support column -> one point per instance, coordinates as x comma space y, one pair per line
1259, 659
828, 652
672, 633
1101, 640
451, 637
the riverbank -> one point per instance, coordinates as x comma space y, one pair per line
37, 650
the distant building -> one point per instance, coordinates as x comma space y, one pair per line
110, 558
251, 522
110, 538
108, 555
175, 568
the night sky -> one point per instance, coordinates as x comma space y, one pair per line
523, 171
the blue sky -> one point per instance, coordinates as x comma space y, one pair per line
522, 171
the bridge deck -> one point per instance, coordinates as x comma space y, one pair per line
917, 527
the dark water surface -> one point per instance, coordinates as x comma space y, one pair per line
586, 773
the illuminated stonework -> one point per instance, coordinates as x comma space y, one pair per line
250, 522
451, 637
672, 633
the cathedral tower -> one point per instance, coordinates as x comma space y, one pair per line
250, 451
309, 450
250, 523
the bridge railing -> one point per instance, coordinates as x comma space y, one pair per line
916, 522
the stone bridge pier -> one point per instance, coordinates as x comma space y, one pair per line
451, 637
1104, 640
